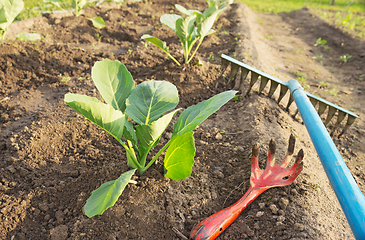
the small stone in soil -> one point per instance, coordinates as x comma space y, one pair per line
281, 219
43, 207
262, 205
278, 224
283, 202
298, 227
273, 208
259, 214
218, 136
36, 212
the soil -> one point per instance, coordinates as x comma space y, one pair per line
52, 159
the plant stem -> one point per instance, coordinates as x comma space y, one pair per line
144, 157
186, 52
132, 154
157, 155
195, 49
77, 8
168, 54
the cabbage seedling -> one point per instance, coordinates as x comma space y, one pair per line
191, 29
78, 5
98, 22
151, 106
9, 9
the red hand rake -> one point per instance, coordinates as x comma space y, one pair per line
273, 176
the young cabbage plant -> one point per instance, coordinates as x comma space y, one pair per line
98, 22
78, 5
9, 9
191, 29
55, 3
136, 117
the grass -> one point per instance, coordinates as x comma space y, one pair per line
348, 14
277, 6
350, 21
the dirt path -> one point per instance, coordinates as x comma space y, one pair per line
52, 159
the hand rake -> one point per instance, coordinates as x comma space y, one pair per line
275, 82
273, 176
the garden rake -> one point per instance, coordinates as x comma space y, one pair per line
275, 175
275, 82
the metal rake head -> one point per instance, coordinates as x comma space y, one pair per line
275, 83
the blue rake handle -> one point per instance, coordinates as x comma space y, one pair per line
348, 193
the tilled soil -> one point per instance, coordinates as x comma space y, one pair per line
52, 158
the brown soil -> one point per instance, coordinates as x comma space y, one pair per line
52, 159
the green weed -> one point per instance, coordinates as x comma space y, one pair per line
324, 84
321, 42
318, 57
299, 51
211, 57
65, 80
268, 37
333, 92
300, 77
236, 98
345, 58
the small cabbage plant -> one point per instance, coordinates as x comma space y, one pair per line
9, 9
77, 5
191, 29
136, 117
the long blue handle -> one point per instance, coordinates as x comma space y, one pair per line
348, 193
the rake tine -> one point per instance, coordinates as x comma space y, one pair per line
263, 83
290, 151
273, 86
284, 87
255, 169
254, 77
291, 100
299, 161
350, 121
341, 115
331, 113
296, 112
244, 73
283, 90
313, 101
234, 70
271, 158
224, 65
322, 107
